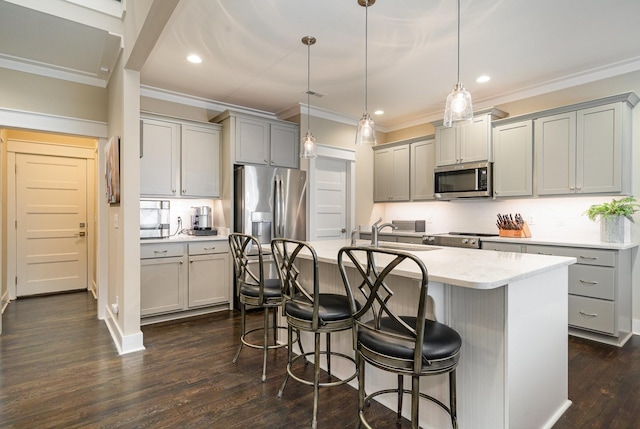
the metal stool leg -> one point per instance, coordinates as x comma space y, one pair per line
328, 338
453, 399
242, 327
266, 343
415, 401
316, 380
289, 358
400, 396
361, 393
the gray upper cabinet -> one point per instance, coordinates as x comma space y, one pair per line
584, 151
423, 161
256, 140
513, 159
179, 159
391, 173
469, 143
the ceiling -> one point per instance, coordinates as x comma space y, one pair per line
253, 55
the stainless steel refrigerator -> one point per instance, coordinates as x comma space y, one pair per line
270, 202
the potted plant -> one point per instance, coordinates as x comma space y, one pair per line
612, 216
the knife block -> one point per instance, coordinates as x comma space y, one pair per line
516, 233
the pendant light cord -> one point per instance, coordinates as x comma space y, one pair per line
308, 87
366, 56
458, 41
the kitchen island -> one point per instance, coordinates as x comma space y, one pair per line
511, 312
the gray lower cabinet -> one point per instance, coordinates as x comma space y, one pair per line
599, 289
179, 277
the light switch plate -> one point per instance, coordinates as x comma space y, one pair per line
116, 223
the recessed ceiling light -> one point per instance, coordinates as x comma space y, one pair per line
193, 58
484, 78
378, 112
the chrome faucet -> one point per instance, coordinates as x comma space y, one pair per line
355, 234
376, 228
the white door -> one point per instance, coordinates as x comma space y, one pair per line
51, 203
330, 199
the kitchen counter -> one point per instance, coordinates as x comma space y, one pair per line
571, 242
470, 268
185, 238
511, 311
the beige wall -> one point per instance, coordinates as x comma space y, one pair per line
162, 107
411, 132
32, 93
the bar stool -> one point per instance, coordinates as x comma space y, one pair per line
306, 309
255, 290
408, 345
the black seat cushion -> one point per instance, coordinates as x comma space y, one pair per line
440, 341
271, 289
331, 307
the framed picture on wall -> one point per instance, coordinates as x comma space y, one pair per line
112, 171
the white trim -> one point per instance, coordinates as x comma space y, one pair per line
52, 149
348, 155
199, 102
124, 343
48, 70
36, 121
635, 329
102, 14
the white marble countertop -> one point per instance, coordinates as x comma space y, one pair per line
185, 238
570, 242
472, 268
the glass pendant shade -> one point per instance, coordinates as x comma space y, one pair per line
309, 146
458, 110
366, 134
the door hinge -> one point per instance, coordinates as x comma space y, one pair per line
16, 224
16, 280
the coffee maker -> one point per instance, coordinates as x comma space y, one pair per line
202, 221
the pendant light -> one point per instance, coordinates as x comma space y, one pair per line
366, 134
309, 141
458, 110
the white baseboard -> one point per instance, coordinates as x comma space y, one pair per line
124, 343
635, 326
4, 301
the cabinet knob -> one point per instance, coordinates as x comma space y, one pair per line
191, 261
184, 191
173, 191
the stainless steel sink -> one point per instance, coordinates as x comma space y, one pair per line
407, 247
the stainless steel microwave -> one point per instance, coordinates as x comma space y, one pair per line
469, 180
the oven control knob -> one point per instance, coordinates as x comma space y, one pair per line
472, 241
465, 241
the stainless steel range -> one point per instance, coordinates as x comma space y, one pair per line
468, 240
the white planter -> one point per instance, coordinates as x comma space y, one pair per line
612, 229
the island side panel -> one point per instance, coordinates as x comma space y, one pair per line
479, 317
537, 349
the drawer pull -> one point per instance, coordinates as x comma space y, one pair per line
588, 282
589, 258
542, 253
588, 314
160, 251
210, 248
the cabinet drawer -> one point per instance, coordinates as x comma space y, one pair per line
208, 247
591, 313
161, 250
502, 247
592, 281
583, 255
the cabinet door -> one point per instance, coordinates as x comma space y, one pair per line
555, 147
400, 173
161, 285
513, 159
446, 145
382, 172
599, 149
423, 161
285, 148
252, 141
159, 158
209, 281
200, 162
475, 140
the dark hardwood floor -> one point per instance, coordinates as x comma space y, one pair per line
59, 369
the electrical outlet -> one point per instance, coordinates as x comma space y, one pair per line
531, 220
